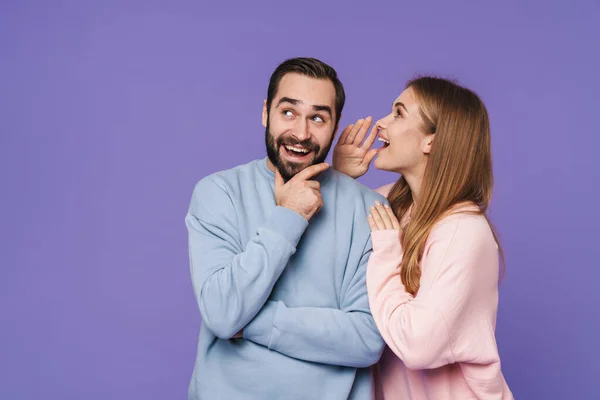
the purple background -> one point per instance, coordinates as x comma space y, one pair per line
111, 111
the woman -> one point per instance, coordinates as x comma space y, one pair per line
433, 275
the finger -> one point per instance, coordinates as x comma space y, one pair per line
372, 223
311, 171
371, 138
345, 133
369, 156
279, 182
384, 215
377, 218
354, 132
319, 203
315, 185
363, 130
395, 223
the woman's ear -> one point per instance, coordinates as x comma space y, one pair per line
427, 143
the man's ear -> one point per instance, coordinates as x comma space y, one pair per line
265, 114
337, 127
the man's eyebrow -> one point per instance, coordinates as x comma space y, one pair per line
295, 102
327, 109
288, 100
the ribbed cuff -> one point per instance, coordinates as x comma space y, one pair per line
386, 240
287, 223
260, 328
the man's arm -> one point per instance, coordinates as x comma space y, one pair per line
345, 337
232, 283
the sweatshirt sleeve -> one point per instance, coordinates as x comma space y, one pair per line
231, 282
345, 337
385, 189
450, 319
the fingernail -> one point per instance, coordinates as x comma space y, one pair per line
387, 206
377, 203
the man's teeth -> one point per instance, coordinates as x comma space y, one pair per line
383, 140
297, 149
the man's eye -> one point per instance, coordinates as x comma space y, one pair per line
317, 118
288, 113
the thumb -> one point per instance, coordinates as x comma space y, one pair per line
369, 156
279, 182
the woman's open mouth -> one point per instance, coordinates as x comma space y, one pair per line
385, 142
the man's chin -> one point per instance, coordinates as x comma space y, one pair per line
289, 169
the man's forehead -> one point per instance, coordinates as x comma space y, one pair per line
309, 91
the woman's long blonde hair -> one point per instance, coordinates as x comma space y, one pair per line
458, 170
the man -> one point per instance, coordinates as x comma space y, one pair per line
278, 251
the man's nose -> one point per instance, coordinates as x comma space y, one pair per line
301, 130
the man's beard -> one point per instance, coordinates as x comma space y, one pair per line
286, 168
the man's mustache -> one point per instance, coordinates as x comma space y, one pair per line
307, 144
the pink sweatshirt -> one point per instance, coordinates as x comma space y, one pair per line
441, 343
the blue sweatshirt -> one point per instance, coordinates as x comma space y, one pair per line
296, 288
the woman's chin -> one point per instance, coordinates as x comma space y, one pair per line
380, 164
